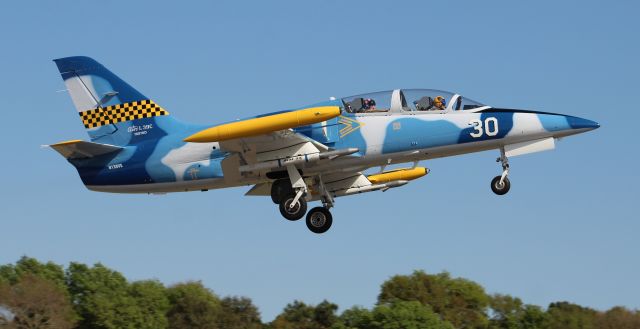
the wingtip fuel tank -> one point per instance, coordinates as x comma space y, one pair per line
265, 125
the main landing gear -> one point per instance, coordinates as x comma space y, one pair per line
293, 208
319, 220
290, 195
500, 185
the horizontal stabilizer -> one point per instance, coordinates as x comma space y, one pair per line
77, 149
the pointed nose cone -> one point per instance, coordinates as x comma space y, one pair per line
580, 123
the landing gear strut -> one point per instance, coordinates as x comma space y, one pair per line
284, 195
500, 185
293, 204
290, 195
319, 219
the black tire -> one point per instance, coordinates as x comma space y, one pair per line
500, 189
319, 220
279, 189
296, 212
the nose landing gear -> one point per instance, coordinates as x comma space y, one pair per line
500, 185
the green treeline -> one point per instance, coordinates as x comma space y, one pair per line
39, 295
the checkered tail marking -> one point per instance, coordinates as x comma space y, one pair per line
122, 112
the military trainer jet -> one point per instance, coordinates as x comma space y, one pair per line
316, 153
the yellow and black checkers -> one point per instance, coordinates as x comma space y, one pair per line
122, 112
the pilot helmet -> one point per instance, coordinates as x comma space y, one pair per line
440, 100
369, 102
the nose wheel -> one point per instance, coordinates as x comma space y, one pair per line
500, 185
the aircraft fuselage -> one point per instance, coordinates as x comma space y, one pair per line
171, 165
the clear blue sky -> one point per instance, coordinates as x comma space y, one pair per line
568, 230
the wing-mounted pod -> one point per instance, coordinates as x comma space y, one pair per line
339, 185
343, 184
405, 174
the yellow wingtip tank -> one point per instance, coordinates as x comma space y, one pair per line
399, 174
264, 125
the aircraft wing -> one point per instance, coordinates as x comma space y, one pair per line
334, 184
268, 142
274, 152
342, 184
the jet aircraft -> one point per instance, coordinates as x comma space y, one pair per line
316, 153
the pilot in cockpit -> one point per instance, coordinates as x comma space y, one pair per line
439, 103
368, 104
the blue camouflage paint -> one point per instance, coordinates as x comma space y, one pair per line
505, 124
327, 134
201, 171
104, 80
553, 122
414, 133
580, 123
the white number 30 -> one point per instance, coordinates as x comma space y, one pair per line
490, 127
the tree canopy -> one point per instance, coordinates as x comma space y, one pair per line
46, 295
299, 315
35, 302
193, 306
459, 301
396, 315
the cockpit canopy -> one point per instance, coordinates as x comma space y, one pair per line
408, 100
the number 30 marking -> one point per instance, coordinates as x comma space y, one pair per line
490, 127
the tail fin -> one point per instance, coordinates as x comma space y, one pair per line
111, 110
